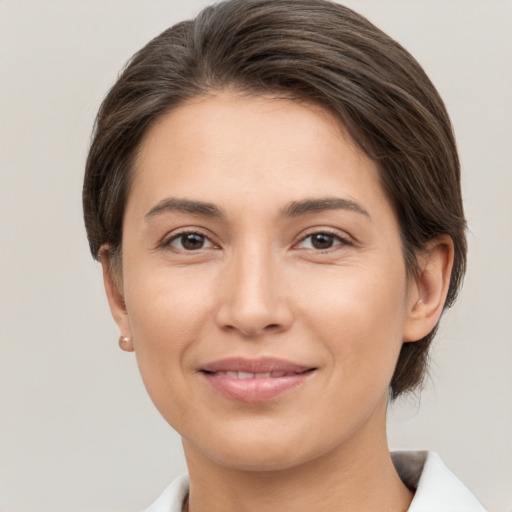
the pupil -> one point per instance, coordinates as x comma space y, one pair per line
322, 241
192, 241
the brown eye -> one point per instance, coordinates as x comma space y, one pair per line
190, 242
322, 241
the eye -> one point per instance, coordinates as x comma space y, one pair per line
189, 241
322, 241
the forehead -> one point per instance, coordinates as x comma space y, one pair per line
228, 145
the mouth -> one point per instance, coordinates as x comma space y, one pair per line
250, 375
255, 380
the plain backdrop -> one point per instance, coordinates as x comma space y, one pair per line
77, 431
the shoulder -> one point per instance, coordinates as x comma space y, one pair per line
436, 488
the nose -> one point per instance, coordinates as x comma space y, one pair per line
254, 295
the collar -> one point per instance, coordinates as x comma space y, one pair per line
436, 488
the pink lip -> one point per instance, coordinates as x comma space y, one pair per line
271, 378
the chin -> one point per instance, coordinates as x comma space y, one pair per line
258, 452
264, 459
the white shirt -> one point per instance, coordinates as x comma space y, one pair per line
437, 489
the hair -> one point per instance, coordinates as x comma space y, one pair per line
315, 51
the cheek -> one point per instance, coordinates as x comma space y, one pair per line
168, 314
166, 305
359, 313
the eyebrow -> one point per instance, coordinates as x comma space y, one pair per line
172, 204
293, 209
307, 206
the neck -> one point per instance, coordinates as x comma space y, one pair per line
357, 476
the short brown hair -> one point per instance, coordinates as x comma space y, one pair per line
313, 50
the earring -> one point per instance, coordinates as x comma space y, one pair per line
125, 343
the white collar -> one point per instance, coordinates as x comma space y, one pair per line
437, 488
171, 500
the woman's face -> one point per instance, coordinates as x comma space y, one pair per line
263, 282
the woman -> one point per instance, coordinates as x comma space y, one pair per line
273, 191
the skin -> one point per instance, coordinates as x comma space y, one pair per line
257, 286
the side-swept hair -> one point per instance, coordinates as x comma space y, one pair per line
316, 51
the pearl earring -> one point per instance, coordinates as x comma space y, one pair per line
125, 343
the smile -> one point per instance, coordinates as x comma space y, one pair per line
253, 381
250, 375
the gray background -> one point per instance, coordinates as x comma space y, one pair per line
77, 430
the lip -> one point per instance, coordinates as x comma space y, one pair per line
254, 380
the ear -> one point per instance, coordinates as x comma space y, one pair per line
427, 291
113, 289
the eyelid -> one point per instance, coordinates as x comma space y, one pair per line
175, 235
345, 239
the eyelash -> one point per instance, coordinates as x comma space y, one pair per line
181, 235
342, 241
